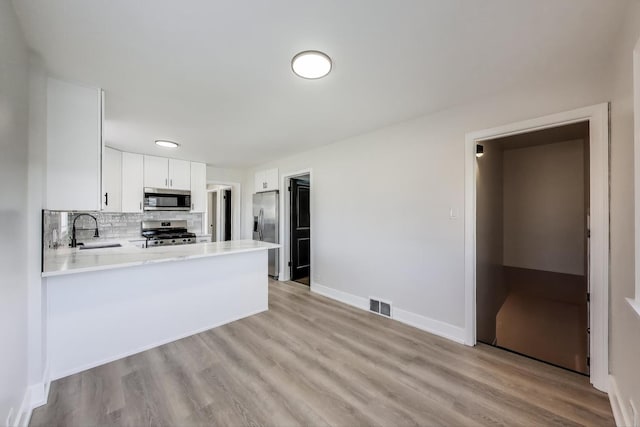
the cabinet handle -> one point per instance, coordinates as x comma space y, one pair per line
141, 206
171, 182
106, 199
192, 206
166, 182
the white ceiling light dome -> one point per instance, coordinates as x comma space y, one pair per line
311, 64
166, 143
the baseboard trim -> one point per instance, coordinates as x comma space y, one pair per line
344, 297
23, 415
436, 327
91, 365
35, 396
620, 414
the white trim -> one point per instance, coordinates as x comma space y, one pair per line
75, 370
436, 327
636, 168
598, 118
35, 396
635, 305
620, 413
285, 236
24, 412
236, 209
344, 297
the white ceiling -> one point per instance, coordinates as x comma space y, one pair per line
215, 75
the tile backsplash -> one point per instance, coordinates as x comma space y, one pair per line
112, 226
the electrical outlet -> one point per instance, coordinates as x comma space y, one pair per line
634, 415
9, 421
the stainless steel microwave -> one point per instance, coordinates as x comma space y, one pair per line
161, 199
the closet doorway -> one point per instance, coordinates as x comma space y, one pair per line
532, 244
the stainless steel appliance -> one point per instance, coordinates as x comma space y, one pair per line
162, 233
162, 199
265, 224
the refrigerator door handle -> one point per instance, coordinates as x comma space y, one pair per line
261, 224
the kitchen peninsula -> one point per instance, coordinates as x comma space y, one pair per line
105, 304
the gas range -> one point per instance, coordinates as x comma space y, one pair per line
164, 233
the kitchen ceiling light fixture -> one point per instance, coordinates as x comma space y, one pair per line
167, 144
311, 64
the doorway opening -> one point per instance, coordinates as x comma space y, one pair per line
532, 244
220, 212
300, 229
296, 227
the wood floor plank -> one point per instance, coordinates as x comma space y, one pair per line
312, 361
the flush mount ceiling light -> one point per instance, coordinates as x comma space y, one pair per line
167, 144
311, 64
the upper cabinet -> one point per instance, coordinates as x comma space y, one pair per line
266, 180
156, 172
111, 180
132, 182
179, 174
198, 187
160, 172
74, 146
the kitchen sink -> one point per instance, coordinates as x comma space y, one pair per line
100, 246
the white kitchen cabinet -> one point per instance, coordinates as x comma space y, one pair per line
74, 147
161, 172
132, 182
179, 174
266, 180
156, 172
198, 187
111, 180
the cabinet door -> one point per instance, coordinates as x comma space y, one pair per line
74, 147
271, 178
179, 174
260, 182
198, 187
111, 180
156, 172
132, 182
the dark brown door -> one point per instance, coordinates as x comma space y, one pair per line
227, 215
300, 230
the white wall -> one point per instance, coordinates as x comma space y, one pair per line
544, 218
36, 202
625, 323
14, 80
382, 200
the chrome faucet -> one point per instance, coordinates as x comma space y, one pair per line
74, 242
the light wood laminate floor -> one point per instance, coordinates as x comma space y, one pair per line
312, 361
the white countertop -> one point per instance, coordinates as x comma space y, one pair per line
73, 260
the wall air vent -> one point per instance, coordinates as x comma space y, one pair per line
378, 306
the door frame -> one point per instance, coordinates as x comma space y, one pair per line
598, 118
236, 208
285, 221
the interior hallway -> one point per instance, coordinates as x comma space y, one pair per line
312, 361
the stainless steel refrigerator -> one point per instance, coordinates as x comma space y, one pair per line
265, 225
